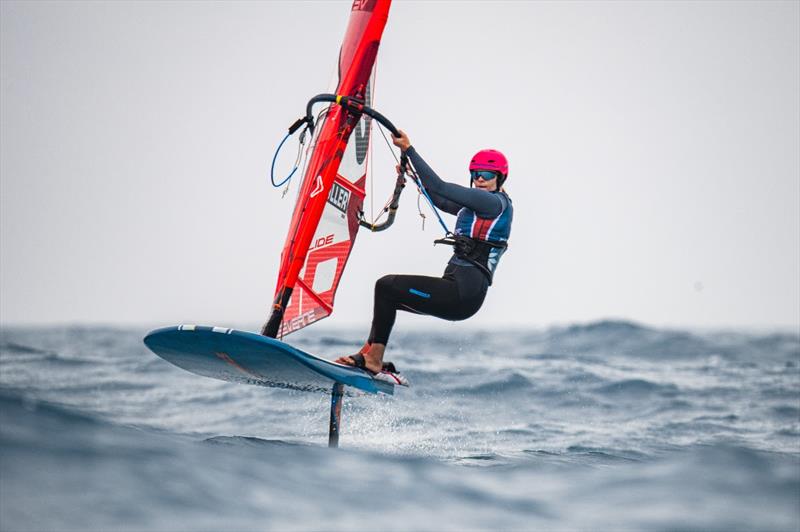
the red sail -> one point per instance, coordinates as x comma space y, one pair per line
325, 219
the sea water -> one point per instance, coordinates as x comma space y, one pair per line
602, 426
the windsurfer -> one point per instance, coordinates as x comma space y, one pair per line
484, 213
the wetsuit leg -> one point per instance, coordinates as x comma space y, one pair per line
455, 296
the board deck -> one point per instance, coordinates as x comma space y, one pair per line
249, 358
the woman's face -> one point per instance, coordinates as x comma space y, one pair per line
479, 179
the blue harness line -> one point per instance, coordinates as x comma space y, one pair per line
421, 188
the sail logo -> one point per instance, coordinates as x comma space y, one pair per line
363, 5
321, 241
319, 188
298, 322
339, 197
362, 130
362, 139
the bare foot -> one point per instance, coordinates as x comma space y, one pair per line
347, 361
373, 357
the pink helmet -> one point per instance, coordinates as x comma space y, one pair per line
489, 160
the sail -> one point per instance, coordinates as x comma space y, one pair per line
330, 198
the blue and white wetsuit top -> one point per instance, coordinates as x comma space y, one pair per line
480, 214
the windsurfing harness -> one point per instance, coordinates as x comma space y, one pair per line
483, 223
475, 251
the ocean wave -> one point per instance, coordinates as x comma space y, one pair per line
505, 382
606, 327
82, 387
607, 455
11, 347
250, 441
12, 352
623, 338
582, 377
18, 408
629, 339
637, 387
702, 427
790, 412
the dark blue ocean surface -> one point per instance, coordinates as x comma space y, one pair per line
604, 426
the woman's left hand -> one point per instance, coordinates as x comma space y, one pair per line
401, 141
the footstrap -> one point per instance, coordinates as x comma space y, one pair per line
359, 361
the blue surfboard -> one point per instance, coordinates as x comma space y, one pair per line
249, 358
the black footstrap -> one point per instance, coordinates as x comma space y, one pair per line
359, 361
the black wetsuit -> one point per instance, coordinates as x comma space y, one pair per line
460, 292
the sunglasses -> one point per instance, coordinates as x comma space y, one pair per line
486, 175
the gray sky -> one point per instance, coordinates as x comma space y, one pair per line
654, 152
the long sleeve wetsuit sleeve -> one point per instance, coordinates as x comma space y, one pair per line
443, 203
451, 197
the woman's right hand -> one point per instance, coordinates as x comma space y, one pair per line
401, 140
